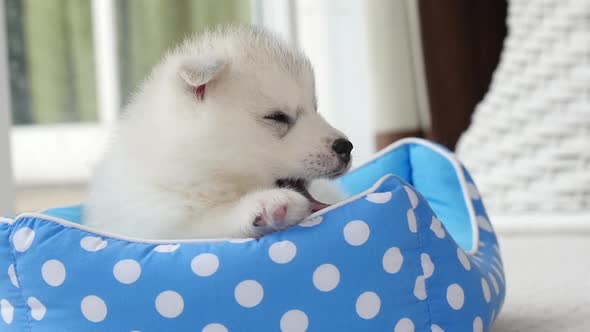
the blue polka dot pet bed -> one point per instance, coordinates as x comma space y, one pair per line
410, 252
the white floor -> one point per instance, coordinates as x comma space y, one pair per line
548, 280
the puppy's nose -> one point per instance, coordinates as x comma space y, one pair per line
342, 147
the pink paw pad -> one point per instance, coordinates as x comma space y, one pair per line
280, 213
278, 216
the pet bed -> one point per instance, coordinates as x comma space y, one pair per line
415, 252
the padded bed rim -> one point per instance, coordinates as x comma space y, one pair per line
458, 172
69, 224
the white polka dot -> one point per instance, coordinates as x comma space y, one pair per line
93, 243
404, 325
169, 304
282, 252
6, 311
205, 265
379, 198
473, 192
312, 222
436, 328
494, 283
166, 248
53, 272
497, 249
477, 324
392, 260
497, 261
463, 259
368, 305
492, 317
12, 275
214, 327
23, 238
486, 290
412, 224
127, 271
455, 296
420, 288
427, 265
294, 321
412, 196
94, 308
356, 232
437, 228
249, 293
484, 223
38, 310
498, 273
326, 277
244, 240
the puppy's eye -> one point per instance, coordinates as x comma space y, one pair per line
279, 117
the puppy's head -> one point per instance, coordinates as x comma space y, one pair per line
244, 102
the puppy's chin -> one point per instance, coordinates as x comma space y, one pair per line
340, 171
327, 191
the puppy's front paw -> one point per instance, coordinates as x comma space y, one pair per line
277, 209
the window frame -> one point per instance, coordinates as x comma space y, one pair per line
7, 195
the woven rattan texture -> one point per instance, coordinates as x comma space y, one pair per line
528, 146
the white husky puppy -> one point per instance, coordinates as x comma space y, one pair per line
219, 141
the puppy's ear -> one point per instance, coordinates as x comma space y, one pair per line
197, 73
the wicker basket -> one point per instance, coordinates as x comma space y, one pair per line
529, 142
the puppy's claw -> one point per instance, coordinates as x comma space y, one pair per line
258, 222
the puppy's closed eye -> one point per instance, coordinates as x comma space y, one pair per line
279, 117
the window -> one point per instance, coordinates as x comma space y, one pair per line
71, 66
73, 63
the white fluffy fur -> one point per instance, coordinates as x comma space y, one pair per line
181, 167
